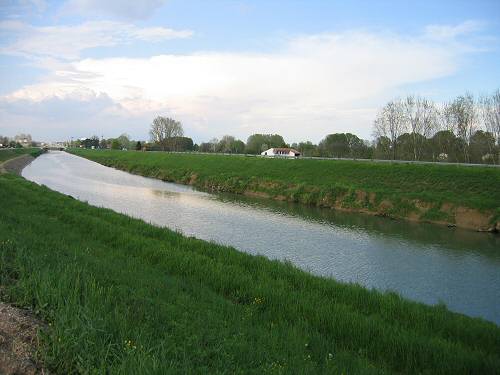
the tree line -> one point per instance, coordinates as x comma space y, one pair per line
167, 134
466, 129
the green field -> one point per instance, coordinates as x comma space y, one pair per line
10, 153
394, 189
123, 296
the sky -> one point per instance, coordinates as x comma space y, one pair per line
302, 69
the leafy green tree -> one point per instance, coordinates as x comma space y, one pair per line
179, 144
444, 146
238, 147
334, 145
125, 142
382, 149
91, 142
257, 143
342, 145
138, 146
482, 147
306, 148
116, 145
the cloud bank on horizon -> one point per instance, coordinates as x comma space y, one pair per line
85, 67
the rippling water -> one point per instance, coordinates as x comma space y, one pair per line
423, 262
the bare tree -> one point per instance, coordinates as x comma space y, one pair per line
421, 116
226, 143
163, 129
490, 106
446, 119
464, 115
214, 143
390, 123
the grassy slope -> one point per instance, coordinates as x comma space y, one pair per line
6, 154
319, 181
129, 297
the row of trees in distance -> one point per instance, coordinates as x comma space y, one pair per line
463, 130
412, 128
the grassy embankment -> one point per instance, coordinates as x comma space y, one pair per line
10, 153
466, 196
123, 296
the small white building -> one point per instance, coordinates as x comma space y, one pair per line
281, 152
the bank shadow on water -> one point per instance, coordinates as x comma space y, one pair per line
426, 234
423, 262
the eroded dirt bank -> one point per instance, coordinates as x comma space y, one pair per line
16, 165
18, 341
412, 210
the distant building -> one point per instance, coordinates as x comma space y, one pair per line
443, 156
25, 142
283, 152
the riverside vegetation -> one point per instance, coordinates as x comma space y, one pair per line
467, 197
122, 296
10, 153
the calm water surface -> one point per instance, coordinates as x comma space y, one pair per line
423, 262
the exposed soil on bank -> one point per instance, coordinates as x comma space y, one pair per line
16, 165
367, 203
18, 341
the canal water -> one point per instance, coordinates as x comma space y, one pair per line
423, 262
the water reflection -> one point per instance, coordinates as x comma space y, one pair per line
419, 233
424, 262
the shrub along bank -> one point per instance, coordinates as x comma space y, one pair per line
467, 197
123, 296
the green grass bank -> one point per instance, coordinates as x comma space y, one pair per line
467, 197
10, 153
123, 296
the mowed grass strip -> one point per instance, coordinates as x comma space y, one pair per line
473, 187
123, 296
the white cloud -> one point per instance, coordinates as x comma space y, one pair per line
312, 86
129, 9
444, 32
67, 42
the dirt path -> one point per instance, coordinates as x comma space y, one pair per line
18, 341
16, 165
